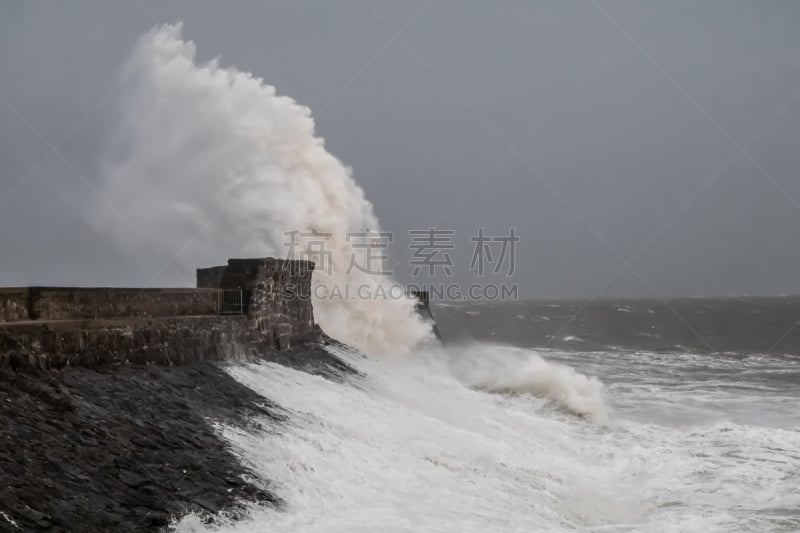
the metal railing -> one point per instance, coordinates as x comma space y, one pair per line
230, 302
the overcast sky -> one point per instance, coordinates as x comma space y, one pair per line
674, 148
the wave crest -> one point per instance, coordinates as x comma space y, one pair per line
508, 370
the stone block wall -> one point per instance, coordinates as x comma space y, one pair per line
46, 327
14, 304
74, 303
276, 296
164, 341
210, 278
280, 301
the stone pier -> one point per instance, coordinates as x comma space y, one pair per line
51, 327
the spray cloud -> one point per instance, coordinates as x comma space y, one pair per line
209, 162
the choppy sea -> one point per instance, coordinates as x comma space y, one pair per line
496, 434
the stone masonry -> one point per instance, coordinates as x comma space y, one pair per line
52, 327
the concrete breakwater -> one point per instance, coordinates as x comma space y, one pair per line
246, 307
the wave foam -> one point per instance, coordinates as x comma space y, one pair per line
508, 370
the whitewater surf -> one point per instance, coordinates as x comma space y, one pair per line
412, 447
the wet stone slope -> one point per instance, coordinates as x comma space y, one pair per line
129, 448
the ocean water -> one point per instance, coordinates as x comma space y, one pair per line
490, 437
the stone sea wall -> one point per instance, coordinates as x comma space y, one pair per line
14, 304
74, 303
70, 303
97, 343
54, 327
275, 296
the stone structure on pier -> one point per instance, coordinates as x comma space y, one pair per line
51, 327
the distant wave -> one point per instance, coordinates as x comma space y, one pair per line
508, 370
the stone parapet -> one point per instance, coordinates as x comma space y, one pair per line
47, 327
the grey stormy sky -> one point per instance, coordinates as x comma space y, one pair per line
664, 134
